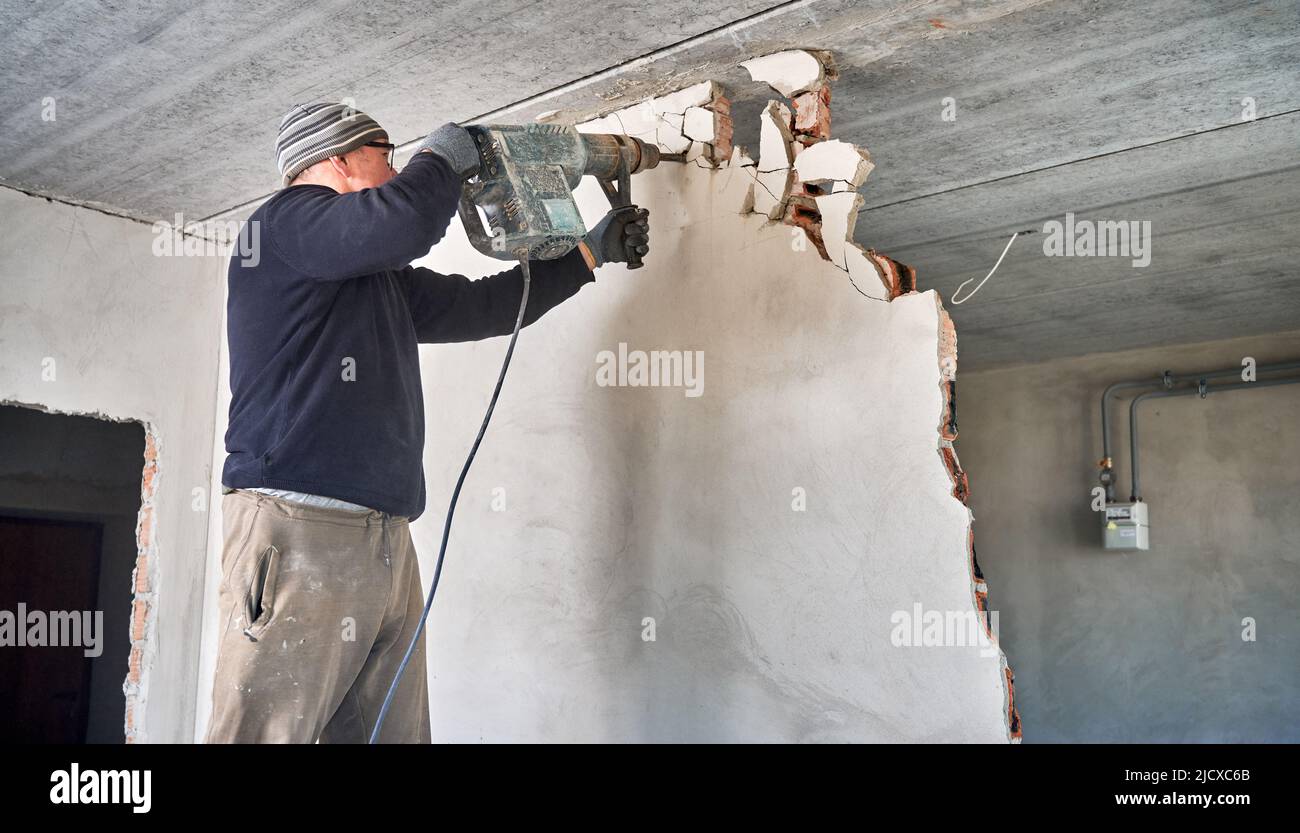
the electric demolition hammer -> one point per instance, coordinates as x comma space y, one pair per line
525, 183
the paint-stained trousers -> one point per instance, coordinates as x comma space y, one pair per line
317, 607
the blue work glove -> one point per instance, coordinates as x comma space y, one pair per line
454, 144
621, 234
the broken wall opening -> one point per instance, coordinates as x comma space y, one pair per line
718, 557
70, 505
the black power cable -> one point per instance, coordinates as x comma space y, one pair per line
451, 509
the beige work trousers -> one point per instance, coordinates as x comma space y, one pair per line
317, 607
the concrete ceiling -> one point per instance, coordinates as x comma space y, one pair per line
1111, 111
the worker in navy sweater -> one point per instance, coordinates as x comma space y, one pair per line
320, 592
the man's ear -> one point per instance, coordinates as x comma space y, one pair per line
340, 165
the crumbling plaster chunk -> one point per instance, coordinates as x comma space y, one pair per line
863, 272
772, 191
697, 124
833, 161
669, 134
679, 102
789, 73
740, 159
839, 216
738, 188
745, 186
663, 121
774, 138
686, 121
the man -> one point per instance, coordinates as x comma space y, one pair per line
321, 592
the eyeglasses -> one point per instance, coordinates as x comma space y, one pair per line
392, 149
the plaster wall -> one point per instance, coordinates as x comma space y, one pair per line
1143, 647
92, 322
594, 509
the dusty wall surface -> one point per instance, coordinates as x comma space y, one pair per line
1143, 646
766, 522
131, 336
207, 665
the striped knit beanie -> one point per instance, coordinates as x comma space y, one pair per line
312, 132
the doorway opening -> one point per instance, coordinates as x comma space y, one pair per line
70, 498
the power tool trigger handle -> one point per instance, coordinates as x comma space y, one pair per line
469, 218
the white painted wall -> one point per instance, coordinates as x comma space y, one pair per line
212, 577
631, 502
132, 337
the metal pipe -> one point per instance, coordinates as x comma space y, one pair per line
1168, 380
1204, 390
1106, 476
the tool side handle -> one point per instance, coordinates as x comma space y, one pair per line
469, 218
619, 193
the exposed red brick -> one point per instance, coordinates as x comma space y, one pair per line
948, 374
961, 491
141, 609
948, 427
139, 614
907, 278
961, 486
812, 114
899, 279
802, 212
142, 574
947, 338
722, 129
146, 523
1013, 716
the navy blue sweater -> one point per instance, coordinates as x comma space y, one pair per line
332, 297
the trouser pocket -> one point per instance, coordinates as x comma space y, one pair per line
259, 600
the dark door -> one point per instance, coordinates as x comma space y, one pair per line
46, 566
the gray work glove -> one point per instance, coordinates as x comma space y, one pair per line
622, 235
454, 144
